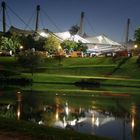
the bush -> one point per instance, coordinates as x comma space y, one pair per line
15, 81
88, 84
30, 60
138, 61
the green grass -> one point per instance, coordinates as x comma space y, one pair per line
99, 66
78, 62
93, 67
75, 69
53, 82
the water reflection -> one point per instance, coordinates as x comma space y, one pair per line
95, 116
19, 99
133, 124
133, 113
92, 121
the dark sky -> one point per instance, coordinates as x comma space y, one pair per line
101, 16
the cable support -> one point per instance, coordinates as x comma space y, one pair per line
132, 28
19, 17
30, 19
51, 21
9, 19
27, 24
42, 23
89, 24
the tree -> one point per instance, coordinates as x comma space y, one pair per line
69, 46
30, 42
138, 61
81, 47
137, 36
74, 30
30, 60
12, 43
52, 44
27, 41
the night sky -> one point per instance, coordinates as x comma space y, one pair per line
107, 17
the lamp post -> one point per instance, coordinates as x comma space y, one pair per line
135, 46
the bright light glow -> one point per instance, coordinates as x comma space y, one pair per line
133, 123
100, 38
66, 35
133, 111
93, 119
43, 34
8, 107
59, 47
57, 114
40, 122
96, 47
135, 46
18, 114
67, 110
64, 121
97, 122
73, 122
21, 47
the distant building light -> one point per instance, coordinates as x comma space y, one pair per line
96, 47
135, 46
21, 47
43, 34
100, 38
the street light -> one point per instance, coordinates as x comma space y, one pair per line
135, 46
21, 47
43, 34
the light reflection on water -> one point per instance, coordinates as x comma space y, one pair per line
61, 113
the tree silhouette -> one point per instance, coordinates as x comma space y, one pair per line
74, 30
30, 60
137, 36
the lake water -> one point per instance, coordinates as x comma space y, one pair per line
113, 117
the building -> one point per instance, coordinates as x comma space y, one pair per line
102, 44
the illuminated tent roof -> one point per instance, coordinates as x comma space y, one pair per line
102, 44
42, 32
67, 36
102, 39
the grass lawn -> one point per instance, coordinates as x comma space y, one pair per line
97, 66
75, 69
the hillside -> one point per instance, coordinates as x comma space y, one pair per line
109, 72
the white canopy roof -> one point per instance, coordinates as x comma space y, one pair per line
67, 36
102, 43
102, 40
